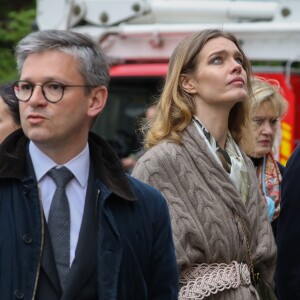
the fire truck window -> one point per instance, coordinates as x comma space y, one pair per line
126, 105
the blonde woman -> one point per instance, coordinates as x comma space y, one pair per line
267, 107
211, 187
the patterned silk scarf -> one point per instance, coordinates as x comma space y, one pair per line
230, 158
221, 153
273, 180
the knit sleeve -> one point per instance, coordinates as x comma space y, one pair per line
166, 168
262, 238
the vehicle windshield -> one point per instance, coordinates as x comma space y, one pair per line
127, 101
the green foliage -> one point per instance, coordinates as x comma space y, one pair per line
8, 69
17, 25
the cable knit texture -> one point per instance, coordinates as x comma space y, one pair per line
201, 196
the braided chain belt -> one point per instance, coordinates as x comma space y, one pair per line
202, 280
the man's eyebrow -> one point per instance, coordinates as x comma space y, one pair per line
46, 79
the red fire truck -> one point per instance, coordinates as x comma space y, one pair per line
140, 35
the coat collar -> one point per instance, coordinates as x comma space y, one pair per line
108, 168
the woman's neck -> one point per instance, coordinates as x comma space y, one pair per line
216, 122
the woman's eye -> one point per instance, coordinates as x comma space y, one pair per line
274, 121
239, 60
216, 60
258, 122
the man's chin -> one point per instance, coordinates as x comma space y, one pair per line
37, 137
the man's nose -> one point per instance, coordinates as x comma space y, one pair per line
37, 96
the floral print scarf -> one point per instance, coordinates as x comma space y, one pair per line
269, 171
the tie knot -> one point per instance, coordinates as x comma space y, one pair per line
61, 176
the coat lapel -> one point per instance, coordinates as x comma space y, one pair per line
48, 263
110, 248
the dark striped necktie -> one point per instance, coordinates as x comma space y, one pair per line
59, 223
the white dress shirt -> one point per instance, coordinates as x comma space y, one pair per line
76, 189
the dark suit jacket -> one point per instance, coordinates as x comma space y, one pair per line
82, 283
135, 253
288, 232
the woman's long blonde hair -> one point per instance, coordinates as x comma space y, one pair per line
176, 107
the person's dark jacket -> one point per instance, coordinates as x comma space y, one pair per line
288, 232
135, 251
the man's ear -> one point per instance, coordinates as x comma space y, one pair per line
97, 100
187, 83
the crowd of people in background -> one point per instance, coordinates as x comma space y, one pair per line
202, 210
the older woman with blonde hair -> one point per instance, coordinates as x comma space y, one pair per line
267, 108
217, 213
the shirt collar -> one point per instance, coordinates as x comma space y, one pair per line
79, 165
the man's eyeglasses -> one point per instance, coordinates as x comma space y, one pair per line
53, 91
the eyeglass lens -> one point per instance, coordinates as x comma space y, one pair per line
52, 91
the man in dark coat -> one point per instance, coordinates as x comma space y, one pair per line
73, 225
288, 232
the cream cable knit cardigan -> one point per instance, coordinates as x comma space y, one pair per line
200, 197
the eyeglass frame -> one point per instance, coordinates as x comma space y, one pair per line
33, 85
